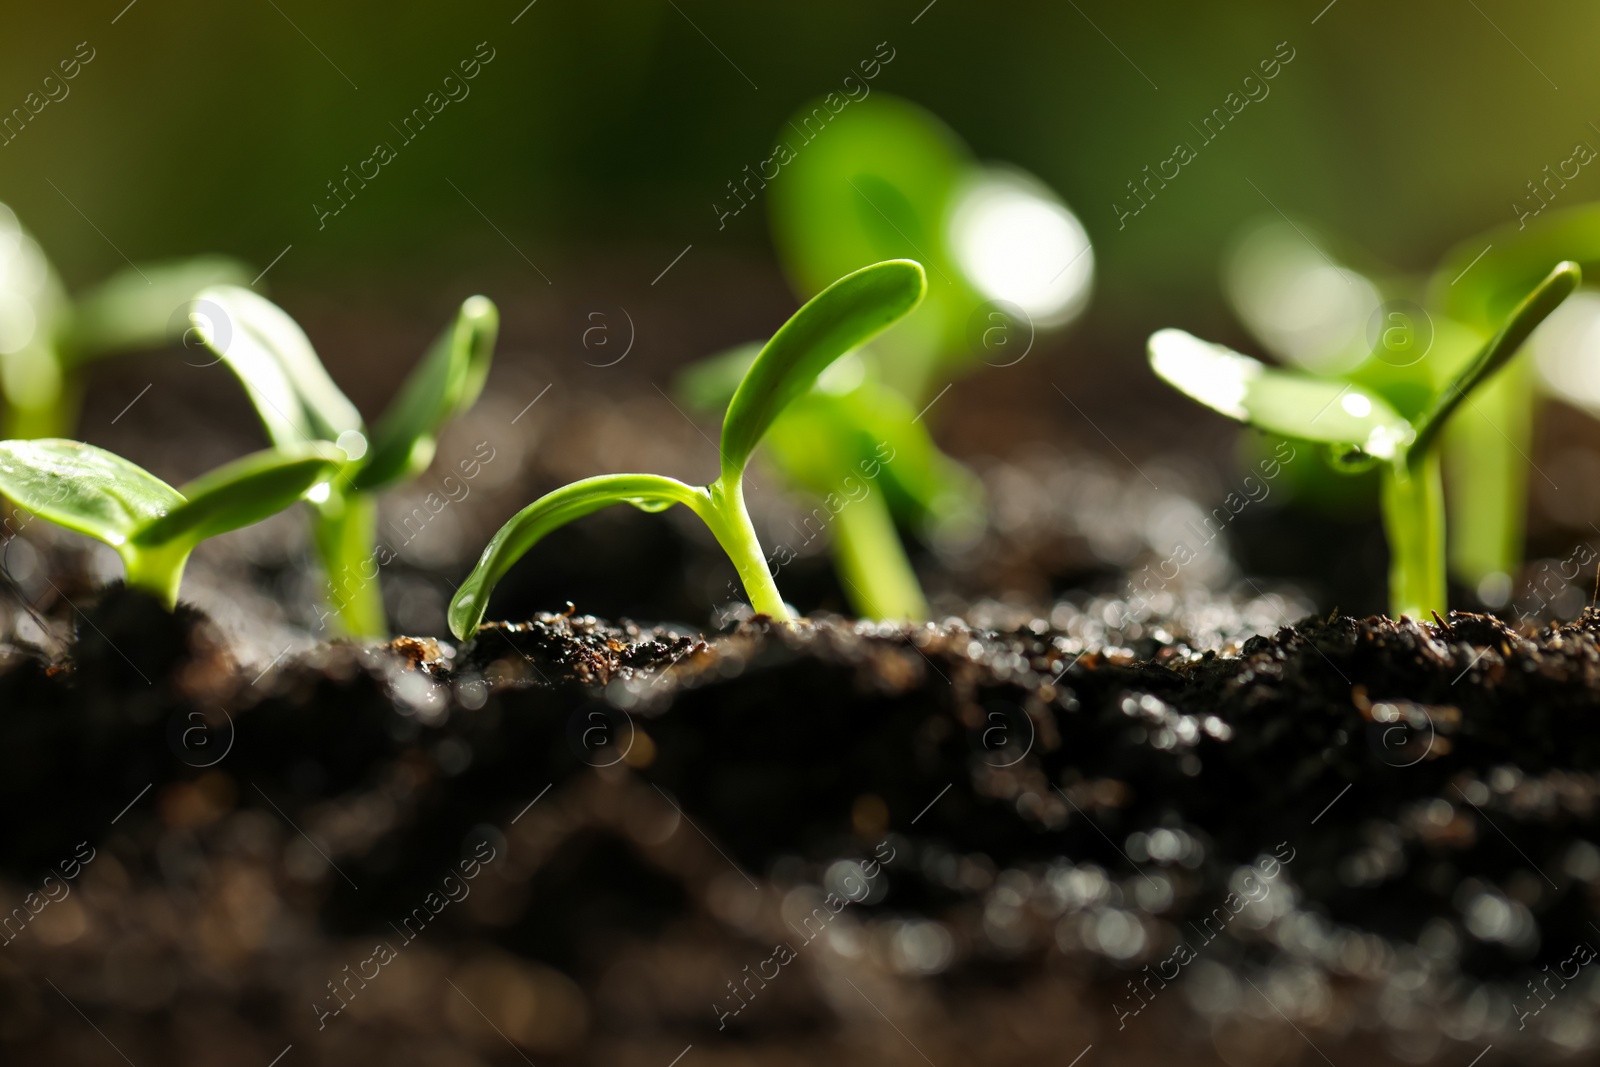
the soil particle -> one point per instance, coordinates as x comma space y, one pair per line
569, 649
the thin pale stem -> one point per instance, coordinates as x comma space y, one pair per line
158, 570
1413, 518
873, 564
346, 536
730, 523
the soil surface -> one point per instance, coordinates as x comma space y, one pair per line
1007, 841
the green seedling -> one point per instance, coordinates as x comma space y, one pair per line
1006, 261
1489, 443
46, 338
1397, 430
299, 403
844, 315
1416, 349
153, 526
857, 447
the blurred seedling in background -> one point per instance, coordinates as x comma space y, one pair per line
46, 338
1397, 429
1295, 292
1477, 281
1006, 261
1005, 257
153, 526
298, 403
841, 317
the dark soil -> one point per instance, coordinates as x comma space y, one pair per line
585, 843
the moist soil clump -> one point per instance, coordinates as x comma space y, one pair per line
586, 842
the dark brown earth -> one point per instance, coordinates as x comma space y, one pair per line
571, 842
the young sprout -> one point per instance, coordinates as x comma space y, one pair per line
1368, 321
1009, 260
839, 318
1489, 443
153, 526
47, 338
1364, 427
857, 446
298, 403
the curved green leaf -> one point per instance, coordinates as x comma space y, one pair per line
477, 326
649, 492
240, 494
842, 316
143, 307
443, 385
1523, 319
1278, 401
84, 488
878, 185
280, 370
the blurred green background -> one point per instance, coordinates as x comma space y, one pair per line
610, 126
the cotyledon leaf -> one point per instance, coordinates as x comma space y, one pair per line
84, 488
445, 383
241, 493
879, 185
1278, 401
1533, 309
274, 359
649, 492
841, 317
134, 307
